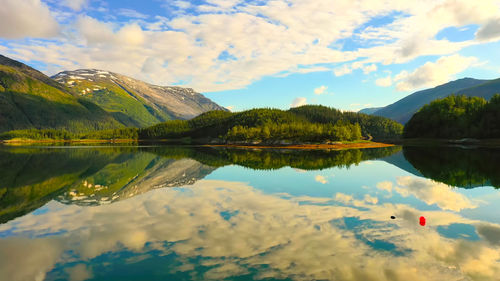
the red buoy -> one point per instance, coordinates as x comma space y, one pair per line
422, 221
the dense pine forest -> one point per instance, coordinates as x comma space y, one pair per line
310, 123
456, 117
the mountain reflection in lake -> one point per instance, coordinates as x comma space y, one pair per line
179, 213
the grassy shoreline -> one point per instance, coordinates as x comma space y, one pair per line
336, 145
252, 144
55, 141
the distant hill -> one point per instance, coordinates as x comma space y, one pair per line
369, 110
404, 109
484, 90
134, 102
30, 99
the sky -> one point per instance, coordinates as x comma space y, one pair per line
257, 53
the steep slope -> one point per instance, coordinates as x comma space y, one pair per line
30, 99
403, 109
133, 102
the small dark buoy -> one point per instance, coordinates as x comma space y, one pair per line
422, 221
393, 217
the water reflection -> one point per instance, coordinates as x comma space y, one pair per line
185, 219
456, 166
31, 177
218, 229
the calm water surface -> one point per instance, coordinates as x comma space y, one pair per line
179, 213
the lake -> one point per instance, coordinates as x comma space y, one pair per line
199, 213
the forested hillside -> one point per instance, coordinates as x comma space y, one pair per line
456, 117
403, 109
88, 99
29, 99
306, 123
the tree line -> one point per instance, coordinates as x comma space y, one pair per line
456, 117
306, 123
310, 123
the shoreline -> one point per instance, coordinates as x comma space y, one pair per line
28, 141
207, 143
337, 146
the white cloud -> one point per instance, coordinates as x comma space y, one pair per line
384, 82
434, 73
103, 33
400, 76
182, 4
76, 5
298, 102
345, 69
489, 31
26, 18
369, 68
432, 192
287, 36
320, 90
321, 179
131, 13
385, 185
230, 107
79, 272
94, 31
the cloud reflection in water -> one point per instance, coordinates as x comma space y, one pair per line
231, 228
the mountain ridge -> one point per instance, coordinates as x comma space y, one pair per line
145, 103
403, 109
85, 100
30, 99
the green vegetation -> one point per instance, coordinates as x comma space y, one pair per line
371, 126
456, 167
271, 159
29, 99
32, 177
128, 109
403, 109
456, 117
305, 124
33, 106
125, 134
51, 134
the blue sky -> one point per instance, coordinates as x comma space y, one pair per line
279, 53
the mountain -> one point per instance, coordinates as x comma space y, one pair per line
404, 109
30, 99
485, 90
133, 102
369, 110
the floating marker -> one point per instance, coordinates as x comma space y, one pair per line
422, 221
